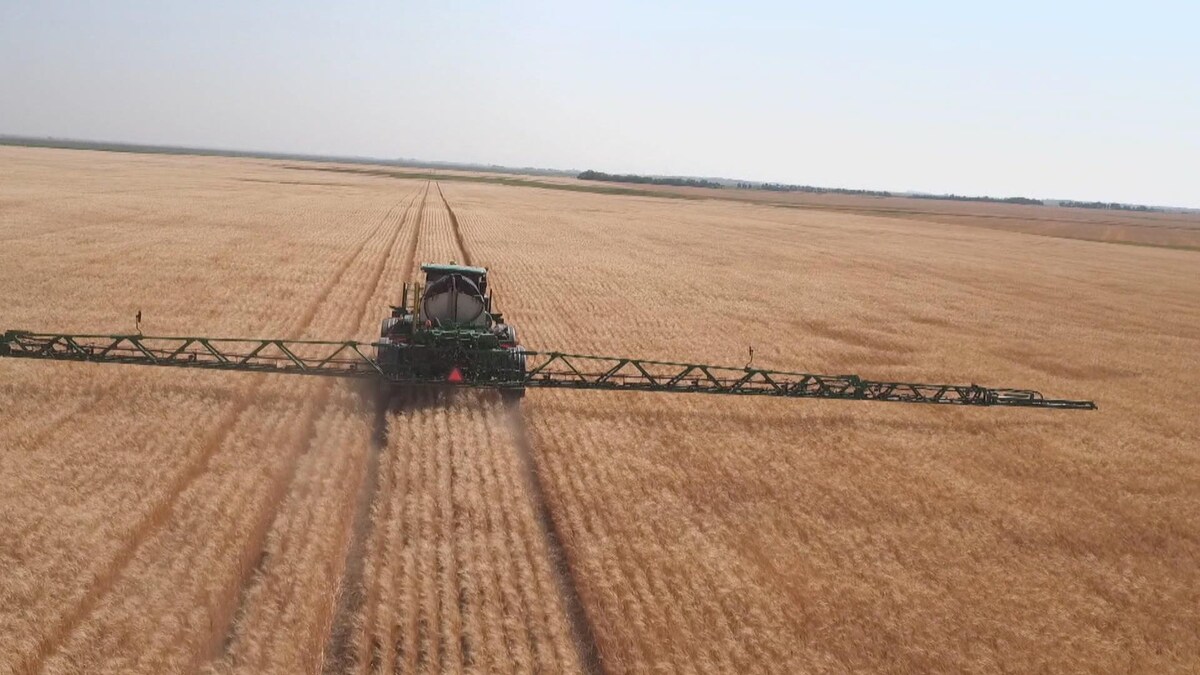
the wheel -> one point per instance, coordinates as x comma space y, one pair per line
389, 326
515, 369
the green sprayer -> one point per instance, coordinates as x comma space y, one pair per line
446, 332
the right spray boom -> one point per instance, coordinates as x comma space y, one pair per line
556, 369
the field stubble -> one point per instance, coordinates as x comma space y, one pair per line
730, 534
457, 575
178, 521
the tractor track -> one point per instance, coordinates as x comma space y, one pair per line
339, 645
583, 636
458, 235
253, 574
159, 514
582, 633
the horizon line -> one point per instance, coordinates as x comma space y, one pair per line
61, 142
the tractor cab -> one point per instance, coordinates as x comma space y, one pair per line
454, 296
435, 272
451, 296
457, 298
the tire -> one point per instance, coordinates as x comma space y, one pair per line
388, 326
516, 359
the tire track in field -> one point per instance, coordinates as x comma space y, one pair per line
583, 635
339, 646
285, 487
458, 236
159, 514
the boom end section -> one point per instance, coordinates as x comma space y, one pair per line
1033, 399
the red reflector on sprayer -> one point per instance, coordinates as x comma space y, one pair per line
455, 376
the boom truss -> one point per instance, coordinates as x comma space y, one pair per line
350, 359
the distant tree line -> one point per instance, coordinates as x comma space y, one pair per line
998, 200
783, 187
1105, 205
648, 180
786, 187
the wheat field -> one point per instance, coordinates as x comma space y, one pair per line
171, 521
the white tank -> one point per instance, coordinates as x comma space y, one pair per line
453, 300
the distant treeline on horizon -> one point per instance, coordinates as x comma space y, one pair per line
784, 187
116, 146
647, 180
1106, 205
781, 187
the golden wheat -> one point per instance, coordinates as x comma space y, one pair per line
738, 535
186, 521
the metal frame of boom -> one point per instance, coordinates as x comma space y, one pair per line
350, 359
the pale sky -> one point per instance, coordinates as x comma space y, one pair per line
1059, 100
